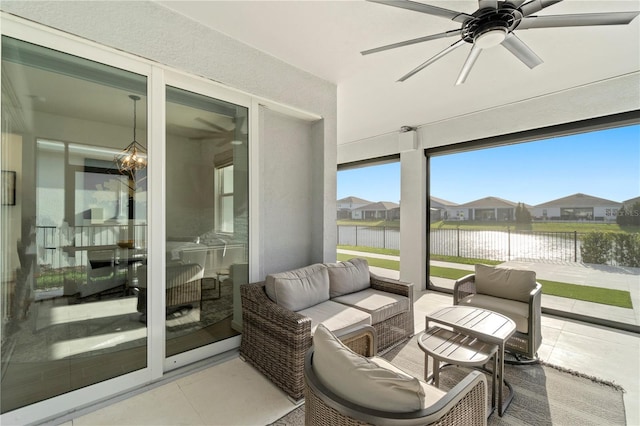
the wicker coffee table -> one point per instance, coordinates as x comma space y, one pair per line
475, 323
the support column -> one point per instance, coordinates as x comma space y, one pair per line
413, 211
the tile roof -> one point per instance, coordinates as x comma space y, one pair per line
489, 202
381, 205
579, 200
442, 202
354, 200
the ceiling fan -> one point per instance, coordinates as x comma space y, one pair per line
219, 133
494, 24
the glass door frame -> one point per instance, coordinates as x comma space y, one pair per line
206, 88
158, 77
52, 39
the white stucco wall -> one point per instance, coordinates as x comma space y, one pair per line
287, 225
150, 31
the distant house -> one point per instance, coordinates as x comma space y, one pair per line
348, 204
439, 209
383, 210
484, 209
577, 207
628, 204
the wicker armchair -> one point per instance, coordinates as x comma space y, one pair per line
275, 340
528, 337
465, 404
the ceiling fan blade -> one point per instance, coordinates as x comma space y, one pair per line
425, 8
521, 51
210, 124
422, 66
487, 4
578, 20
536, 6
468, 64
413, 41
515, 3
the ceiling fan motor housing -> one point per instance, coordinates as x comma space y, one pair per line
489, 27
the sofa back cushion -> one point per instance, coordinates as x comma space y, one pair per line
300, 288
506, 283
348, 277
361, 381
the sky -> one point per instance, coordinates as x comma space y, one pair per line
604, 164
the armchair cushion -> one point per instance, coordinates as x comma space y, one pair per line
300, 288
348, 277
431, 393
356, 378
505, 283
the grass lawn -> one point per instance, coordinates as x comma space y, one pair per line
600, 295
391, 252
352, 222
605, 296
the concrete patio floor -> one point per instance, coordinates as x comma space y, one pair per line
227, 391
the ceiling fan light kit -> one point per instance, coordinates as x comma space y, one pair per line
490, 38
494, 24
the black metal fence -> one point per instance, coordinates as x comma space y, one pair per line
490, 245
369, 236
506, 245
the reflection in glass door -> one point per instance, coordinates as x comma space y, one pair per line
206, 219
73, 230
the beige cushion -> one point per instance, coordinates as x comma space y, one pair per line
516, 311
348, 277
300, 288
380, 304
431, 393
355, 378
507, 283
335, 316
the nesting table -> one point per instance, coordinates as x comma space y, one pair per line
468, 336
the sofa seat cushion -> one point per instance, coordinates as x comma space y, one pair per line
299, 288
381, 305
506, 283
517, 311
348, 277
335, 316
361, 381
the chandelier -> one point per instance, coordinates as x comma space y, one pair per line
134, 156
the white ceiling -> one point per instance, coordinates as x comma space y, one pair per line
325, 38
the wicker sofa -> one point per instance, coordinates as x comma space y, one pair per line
280, 315
345, 388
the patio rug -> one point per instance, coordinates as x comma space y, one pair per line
543, 394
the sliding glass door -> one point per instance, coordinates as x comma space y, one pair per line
123, 237
73, 223
206, 218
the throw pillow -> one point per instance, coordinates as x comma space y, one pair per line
300, 288
506, 283
357, 379
348, 277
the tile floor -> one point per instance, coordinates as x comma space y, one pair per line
230, 392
